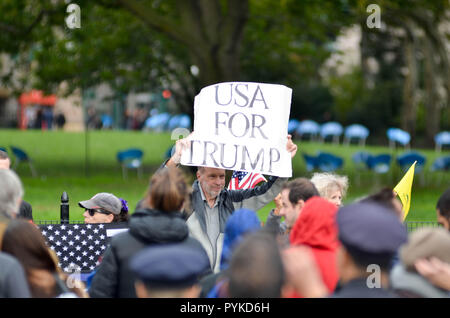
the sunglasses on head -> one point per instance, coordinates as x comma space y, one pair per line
93, 211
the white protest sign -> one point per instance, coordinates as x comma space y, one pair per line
241, 126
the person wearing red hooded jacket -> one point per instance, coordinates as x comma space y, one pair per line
316, 228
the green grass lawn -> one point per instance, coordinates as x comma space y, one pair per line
60, 159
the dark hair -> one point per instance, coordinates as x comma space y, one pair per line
443, 204
383, 197
300, 189
3, 155
123, 216
168, 190
256, 268
25, 242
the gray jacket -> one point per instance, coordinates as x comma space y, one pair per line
13, 283
403, 280
229, 201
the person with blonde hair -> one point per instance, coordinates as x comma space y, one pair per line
331, 186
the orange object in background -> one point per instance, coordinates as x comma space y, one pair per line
31, 98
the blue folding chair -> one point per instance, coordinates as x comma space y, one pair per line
441, 166
442, 139
308, 128
130, 159
360, 158
328, 162
396, 135
331, 129
179, 121
356, 132
292, 126
157, 122
311, 162
21, 156
380, 164
405, 161
107, 121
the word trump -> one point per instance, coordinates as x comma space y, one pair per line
214, 154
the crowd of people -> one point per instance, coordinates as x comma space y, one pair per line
207, 241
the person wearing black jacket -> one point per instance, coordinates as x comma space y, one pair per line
157, 221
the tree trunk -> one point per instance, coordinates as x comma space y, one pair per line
431, 96
219, 31
409, 111
211, 30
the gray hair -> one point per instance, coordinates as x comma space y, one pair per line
326, 182
11, 192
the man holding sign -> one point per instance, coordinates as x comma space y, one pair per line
238, 126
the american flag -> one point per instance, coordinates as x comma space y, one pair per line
244, 180
79, 246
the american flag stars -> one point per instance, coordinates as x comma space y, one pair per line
77, 244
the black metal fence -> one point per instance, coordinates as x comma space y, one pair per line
64, 214
64, 218
414, 225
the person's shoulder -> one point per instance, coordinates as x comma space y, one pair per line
120, 239
8, 262
25, 210
6, 259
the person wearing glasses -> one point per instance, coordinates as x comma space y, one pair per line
104, 208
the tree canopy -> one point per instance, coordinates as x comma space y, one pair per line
145, 45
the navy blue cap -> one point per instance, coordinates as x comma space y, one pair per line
170, 266
370, 228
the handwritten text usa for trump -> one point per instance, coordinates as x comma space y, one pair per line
241, 126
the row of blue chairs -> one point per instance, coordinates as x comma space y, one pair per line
128, 159
380, 163
167, 122
356, 132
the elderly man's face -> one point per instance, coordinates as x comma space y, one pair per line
212, 181
5, 164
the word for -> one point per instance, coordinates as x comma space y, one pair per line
239, 125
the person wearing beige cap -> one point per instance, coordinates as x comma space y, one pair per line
423, 244
104, 208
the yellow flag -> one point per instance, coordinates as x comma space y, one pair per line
403, 189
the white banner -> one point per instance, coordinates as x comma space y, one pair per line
241, 126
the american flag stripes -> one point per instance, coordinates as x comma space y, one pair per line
245, 180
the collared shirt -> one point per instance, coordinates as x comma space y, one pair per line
211, 218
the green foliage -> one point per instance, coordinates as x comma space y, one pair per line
377, 108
